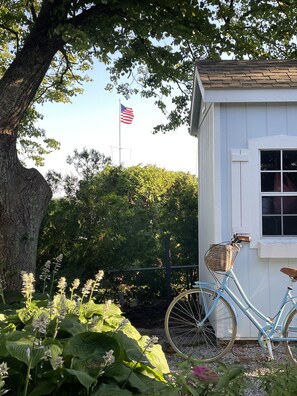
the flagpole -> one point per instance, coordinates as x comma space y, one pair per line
120, 137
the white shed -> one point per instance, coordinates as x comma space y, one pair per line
244, 114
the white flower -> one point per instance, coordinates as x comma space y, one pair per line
62, 307
28, 285
28, 353
3, 370
99, 276
58, 362
108, 358
150, 342
51, 307
75, 284
123, 323
62, 284
47, 354
40, 324
45, 273
87, 287
57, 263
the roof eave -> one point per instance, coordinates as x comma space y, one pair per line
196, 104
250, 95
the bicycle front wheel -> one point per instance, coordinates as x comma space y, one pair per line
290, 331
200, 323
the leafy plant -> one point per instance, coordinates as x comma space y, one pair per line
74, 345
123, 216
193, 379
279, 380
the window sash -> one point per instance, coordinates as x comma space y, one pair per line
278, 170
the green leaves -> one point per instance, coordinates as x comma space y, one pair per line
72, 325
25, 350
77, 357
85, 379
121, 215
89, 345
149, 48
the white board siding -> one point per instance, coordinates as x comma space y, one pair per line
230, 137
206, 187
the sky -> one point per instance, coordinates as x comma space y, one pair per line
92, 121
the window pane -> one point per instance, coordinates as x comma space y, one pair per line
290, 205
290, 181
270, 181
270, 160
271, 225
271, 205
290, 160
290, 225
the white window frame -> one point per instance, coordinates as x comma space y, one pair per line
247, 196
273, 194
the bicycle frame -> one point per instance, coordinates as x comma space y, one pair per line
271, 325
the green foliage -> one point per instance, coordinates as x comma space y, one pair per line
29, 145
68, 347
120, 217
190, 378
279, 380
148, 48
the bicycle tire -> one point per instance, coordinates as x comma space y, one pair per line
290, 331
188, 336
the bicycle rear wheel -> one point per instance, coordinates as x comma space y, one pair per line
290, 331
191, 331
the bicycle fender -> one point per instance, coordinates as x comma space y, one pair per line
209, 285
213, 287
288, 313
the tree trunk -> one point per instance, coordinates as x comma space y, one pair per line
24, 193
24, 196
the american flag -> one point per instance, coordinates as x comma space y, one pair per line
127, 114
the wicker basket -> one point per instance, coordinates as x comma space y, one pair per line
220, 257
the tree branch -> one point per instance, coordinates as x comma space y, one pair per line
32, 9
13, 32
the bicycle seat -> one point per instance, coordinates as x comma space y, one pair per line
291, 272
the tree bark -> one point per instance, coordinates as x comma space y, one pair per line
24, 193
24, 196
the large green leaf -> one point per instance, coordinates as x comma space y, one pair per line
158, 359
43, 388
86, 345
131, 331
85, 379
23, 350
122, 373
92, 308
131, 349
110, 390
72, 325
91, 366
3, 340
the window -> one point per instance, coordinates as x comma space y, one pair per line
279, 192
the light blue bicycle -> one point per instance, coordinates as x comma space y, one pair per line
202, 321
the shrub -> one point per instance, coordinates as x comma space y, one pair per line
279, 380
191, 378
75, 346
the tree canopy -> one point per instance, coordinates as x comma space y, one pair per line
118, 218
148, 47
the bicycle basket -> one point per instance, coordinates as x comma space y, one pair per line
220, 257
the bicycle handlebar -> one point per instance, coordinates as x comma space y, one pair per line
241, 238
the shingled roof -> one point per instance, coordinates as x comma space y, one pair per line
247, 74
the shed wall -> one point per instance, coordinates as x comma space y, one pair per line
230, 138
